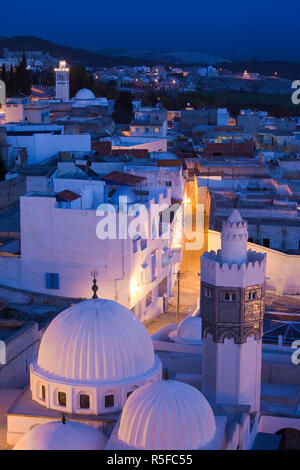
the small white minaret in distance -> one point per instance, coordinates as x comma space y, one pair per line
62, 85
232, 310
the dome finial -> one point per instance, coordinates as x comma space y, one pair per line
94, 274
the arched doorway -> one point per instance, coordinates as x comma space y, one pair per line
290, 439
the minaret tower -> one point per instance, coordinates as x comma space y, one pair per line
62, 86
232, 309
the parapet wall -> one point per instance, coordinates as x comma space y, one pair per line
248, 273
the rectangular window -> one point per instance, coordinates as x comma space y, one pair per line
207, 293
165, 257
134, 245
109, 401
43, 392
62, 399
153, 266
52, 280
143, 244
84, 401
168, 183
149, 299
266, 242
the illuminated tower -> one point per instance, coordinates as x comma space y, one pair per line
2, 94
62, 87
232, 309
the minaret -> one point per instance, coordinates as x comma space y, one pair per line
62, 87
232, 309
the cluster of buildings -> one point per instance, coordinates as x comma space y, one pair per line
78, 201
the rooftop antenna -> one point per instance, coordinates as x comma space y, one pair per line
94, 274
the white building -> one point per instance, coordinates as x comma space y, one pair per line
222, 117
42, 141
60, 244
149, 122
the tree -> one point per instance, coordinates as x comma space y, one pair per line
123, 110
2, 169
11, 88
79, 78
4, 75
23, 84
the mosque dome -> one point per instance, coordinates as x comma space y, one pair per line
96, 340
93, 346
124, 192
58, 436
167, 415
84, 95
189, 331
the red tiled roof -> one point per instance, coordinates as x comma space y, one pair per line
230, 148
67, 195
123, 178
169, 163
103, 148
136, 153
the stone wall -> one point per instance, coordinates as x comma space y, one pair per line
11, 190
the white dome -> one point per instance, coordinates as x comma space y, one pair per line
188, 331
167, 415
85, 94
124, 192
95, 341
57, 436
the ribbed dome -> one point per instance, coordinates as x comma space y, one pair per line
84, 94
167, 415
96, 341
57, 436
188, 331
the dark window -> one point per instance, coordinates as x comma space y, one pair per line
168, 183
134, 245
227, 296
143, 244
266, 242
62, 398
109, 401
52, 280
208, 293
84, 401
233, 297
43, 392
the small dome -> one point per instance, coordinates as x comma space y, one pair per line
85, 94
189, 331
124, 192
57, 436
167, 415
95, 341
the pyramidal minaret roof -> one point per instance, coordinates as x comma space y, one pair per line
235, 217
